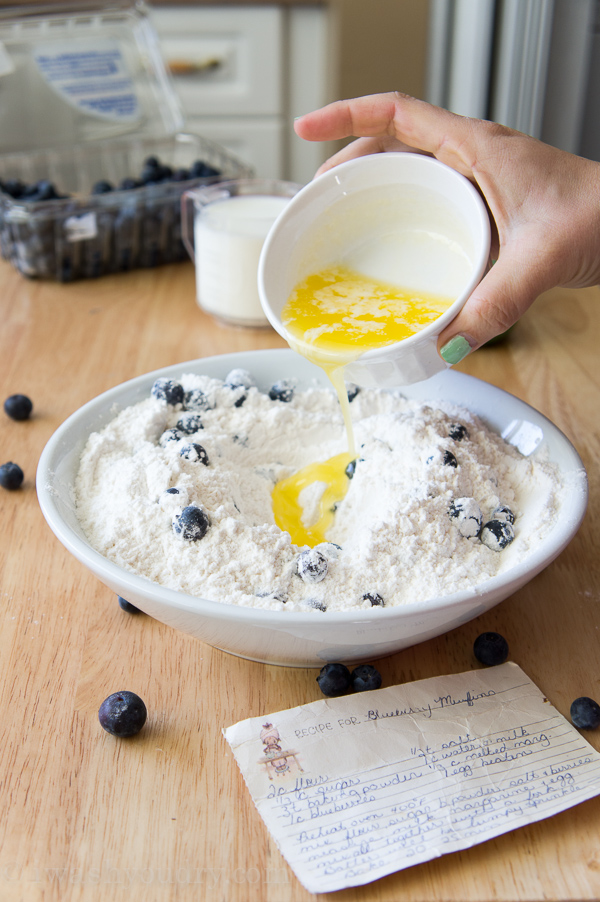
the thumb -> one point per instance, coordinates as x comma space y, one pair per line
501, 297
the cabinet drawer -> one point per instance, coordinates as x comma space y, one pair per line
225, 60
257, 142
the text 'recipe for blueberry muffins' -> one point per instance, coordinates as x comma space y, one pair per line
178, 489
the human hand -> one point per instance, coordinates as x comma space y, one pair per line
544, 203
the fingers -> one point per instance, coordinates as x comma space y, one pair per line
360, 148
502, 296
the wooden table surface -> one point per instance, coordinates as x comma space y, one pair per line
166, 815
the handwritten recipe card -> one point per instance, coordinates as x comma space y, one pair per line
357, 787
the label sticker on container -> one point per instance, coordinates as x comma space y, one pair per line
6, 64
81, 228
91, 76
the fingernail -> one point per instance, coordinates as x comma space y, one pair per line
455, 350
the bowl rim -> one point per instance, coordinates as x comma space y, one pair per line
335, 178
519, 574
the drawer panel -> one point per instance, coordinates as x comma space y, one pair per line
256, 142
225, 61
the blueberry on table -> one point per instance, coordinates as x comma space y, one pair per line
497, 534
375, 599
458, 432
18, 407
168, 390
282, 390
312, 565
11, 476
490, 649
365, 677
334, 679
585, 713
191, 524
194, 452
122, 714
127, 606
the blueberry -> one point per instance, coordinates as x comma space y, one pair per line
196, 399
503, 512
127, 606
365, 677
585, 713
375, 599
152, 162
490, 649
352, 391
448, 459
201, 170
170, 435
122, 714
181, 175
14, 187
128, 184
11, 476
172, 500
334, 679
18, 407
102, 187
239, 378
312, 565
195, 452
467, 514
497, 534
315, 604
191, 524
168, 390
282, 391
458, 432
350, 469
189, 423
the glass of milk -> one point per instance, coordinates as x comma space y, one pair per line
224, 228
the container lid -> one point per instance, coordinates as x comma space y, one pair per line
80, 75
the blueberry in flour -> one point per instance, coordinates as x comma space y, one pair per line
458, 432
283, 390
503, 512
168, 390
11, 476
189, 423
364, 678
350, 469
196, 399
334, 679
497, 534
585, 713
170, 435
312, 565
315, 604
466, 515
191, 524
195, 452
352, 391
375, 599
239, 378
18, 407
448, 459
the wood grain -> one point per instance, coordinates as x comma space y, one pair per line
166, 815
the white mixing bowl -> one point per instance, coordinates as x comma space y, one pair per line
312, 638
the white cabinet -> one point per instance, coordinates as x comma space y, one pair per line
243, 72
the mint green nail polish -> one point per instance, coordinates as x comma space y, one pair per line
455, 350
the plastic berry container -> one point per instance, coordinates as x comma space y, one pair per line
87, 102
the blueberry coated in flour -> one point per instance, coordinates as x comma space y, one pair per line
334, 679
458, 432
122, 714
196, 399
168, 390
490, 649
11, 476
316, 605
352, 391
448, 459
18, 407
364, 678
283, 390
503, 512
350, 469
585, 713
497, 534
239, 378
191, 524
467, 516
375, 599
170, 435
195, 452
189, 423
312, 565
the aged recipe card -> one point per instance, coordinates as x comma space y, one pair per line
357, 787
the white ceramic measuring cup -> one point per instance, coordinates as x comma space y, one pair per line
224, 226
400, 217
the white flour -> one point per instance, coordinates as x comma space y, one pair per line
398, 542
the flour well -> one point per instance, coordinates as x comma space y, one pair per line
427, 478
